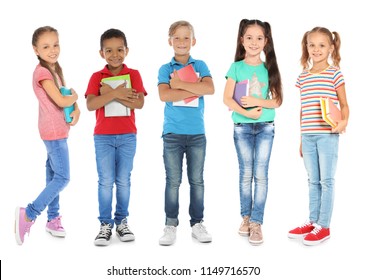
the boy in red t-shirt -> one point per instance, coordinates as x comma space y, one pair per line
115, 133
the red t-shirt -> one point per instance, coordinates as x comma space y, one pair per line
114, 125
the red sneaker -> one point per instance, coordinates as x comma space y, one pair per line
301, 231
318, 235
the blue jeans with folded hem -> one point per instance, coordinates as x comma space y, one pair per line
175, 146
320, 154
253, 142
114, 161
57, 178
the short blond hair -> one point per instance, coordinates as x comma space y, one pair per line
178, 24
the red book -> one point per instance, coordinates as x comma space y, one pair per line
188, 74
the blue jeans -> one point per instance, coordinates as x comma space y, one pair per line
253, 142
57, 178
320, 153
174, 148
114, 161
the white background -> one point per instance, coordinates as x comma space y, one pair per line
146, 23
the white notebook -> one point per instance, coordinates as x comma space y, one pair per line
115, 108
184, 103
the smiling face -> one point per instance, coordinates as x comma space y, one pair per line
182, 40
253, 40
319, 47
47, 47
114, 52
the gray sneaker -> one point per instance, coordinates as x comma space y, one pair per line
169, 236
255, 234
244, 229
201, 233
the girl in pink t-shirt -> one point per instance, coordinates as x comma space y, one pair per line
53, 129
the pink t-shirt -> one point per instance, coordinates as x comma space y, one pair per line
51, 120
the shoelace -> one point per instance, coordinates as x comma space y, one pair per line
201, 228
169, 229
124, 228
57, 222
316, 230
254, 229
245, 221
105, 230
305, 224
27, 227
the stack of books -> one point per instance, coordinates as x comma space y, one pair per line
115, 108
188, 74
331, 114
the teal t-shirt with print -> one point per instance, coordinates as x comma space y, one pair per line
258, 87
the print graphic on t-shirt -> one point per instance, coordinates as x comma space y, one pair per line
255, 86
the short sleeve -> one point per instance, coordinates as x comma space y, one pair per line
94, 84
41, 74
202, 68
232, 72
297, 83
137, 82
338, 79
164, 74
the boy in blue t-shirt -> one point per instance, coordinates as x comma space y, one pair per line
183, 131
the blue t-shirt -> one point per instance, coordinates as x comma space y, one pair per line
179, 119
259, 87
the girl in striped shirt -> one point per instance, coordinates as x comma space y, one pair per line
321, 78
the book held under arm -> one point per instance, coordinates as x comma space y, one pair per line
187, 74
115, 108
331, 114
241, 89
67, 110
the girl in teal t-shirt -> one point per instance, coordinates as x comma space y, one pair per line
257, 76
253, 116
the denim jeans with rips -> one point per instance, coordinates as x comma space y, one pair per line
253, 142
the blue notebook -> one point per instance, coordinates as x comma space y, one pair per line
67, 110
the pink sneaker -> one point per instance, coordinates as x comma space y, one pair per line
55, 228
22, 226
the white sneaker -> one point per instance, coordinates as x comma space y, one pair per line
169, 236
201, 233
